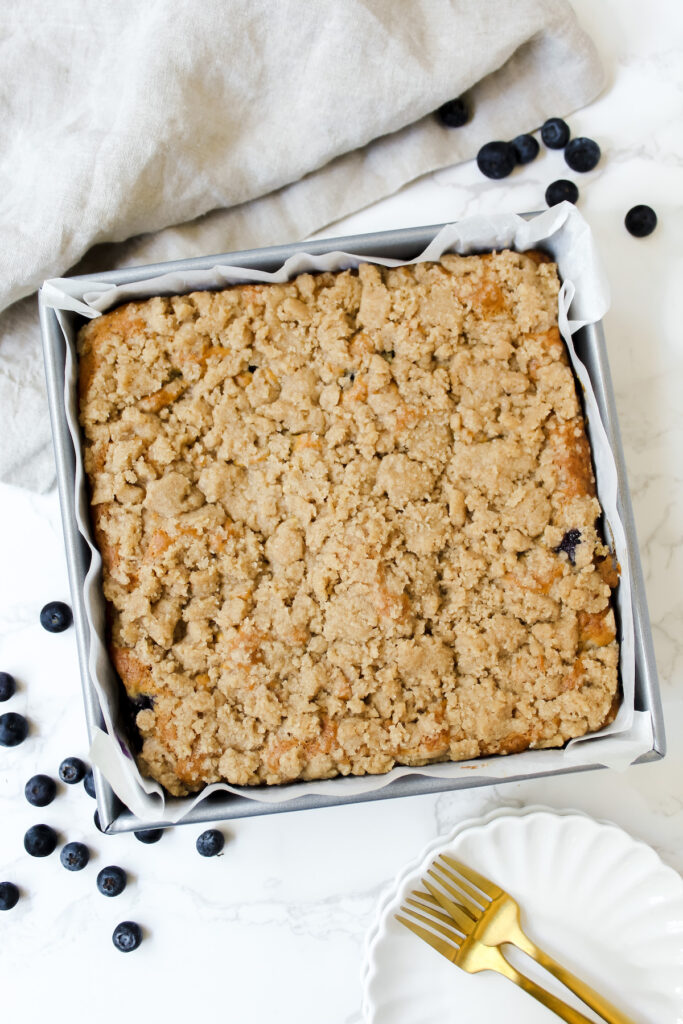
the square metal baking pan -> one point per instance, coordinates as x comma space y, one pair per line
401, 244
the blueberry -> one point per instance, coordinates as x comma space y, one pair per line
40, 840
71, 770
142, 702
210, 842
560, 190
127, 936
89, 783
9, 895
453, 114
7, 686
55, 617
582, 154
13, 729
149, 835
526, 148
641, 221
496, 159
555, 133
111, 881
568, 544
74, 856
40, 790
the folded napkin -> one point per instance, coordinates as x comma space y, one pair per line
221, 125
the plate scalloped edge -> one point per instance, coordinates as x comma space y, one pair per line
374, 932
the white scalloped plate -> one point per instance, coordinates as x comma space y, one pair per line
604, 904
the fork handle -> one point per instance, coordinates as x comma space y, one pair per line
588, 995
554, 1003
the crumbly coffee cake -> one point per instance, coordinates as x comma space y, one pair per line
348, 522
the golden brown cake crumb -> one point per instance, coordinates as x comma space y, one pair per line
348, 522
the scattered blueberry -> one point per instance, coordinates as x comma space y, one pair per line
560, 190
526, 148
555, 133
127, 936
149, 835
7, 686
641, 221
89, 783
582, 154
568, 544
9, 895
111, 881
210, 842
40, 840
74, 856
496, 159
55, 617
13, 729
71, 770
40, 790
453, 114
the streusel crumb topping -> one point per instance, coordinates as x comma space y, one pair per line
348, 522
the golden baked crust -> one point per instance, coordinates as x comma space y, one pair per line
348, 522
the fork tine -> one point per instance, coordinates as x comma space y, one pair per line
489, 888
472, 908
447, 931
434, 941
436, 912
426, 897
462, 919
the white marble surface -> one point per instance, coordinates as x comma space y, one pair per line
273, 929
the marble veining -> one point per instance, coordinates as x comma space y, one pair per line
274, 928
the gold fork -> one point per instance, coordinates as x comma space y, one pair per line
495, 919
467, 952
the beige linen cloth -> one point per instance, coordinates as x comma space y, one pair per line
201, 127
